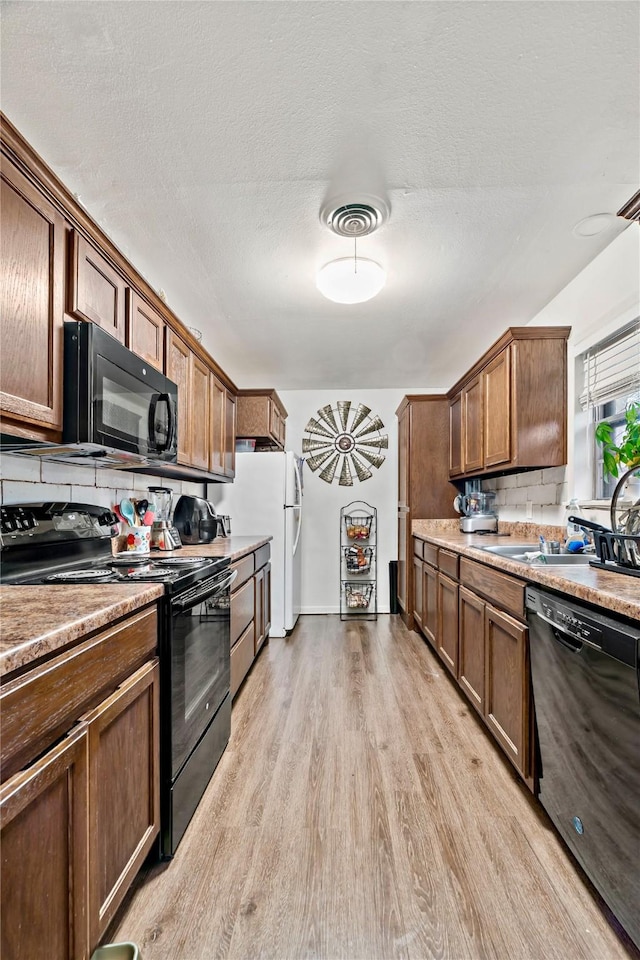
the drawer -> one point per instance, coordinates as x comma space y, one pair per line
430, 554
241, 658
448, 562
263, 555
505, 592
242, 609
41, 705
245, 568
418, 547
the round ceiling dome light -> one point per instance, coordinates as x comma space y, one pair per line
593, 225
350, 280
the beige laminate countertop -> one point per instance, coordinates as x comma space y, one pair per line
617, 592
36, 621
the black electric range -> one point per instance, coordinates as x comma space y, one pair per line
69, 544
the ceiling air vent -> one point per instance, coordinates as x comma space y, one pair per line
356, 219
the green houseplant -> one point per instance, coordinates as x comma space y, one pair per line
625, 454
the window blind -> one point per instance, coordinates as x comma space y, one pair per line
612, 368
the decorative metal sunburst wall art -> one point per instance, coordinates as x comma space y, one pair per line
344, 440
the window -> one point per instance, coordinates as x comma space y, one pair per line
611, 371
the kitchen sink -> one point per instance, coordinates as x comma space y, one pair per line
547, 559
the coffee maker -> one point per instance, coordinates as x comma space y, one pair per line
164, 535
477, 507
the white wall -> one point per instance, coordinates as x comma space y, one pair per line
602, 298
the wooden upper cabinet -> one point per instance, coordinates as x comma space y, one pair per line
97, 291
455, 435
513, 405
145, 330
217, 417
472, 425
32, 243
177, 368
230, 435
261, 415
496, 379
199, 413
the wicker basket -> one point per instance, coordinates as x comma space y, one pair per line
358, 527
358, 596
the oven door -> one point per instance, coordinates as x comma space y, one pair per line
199, 654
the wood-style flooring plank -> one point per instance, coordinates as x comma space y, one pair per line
362, 812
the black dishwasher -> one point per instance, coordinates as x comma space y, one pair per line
584, 669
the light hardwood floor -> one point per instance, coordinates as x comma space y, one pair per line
360, 811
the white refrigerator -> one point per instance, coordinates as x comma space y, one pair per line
266, 498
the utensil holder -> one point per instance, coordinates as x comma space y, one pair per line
135, 540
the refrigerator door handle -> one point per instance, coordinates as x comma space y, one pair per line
298, 483
299, 531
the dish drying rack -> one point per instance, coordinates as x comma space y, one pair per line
358, 561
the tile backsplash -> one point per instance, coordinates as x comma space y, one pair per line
27, 479
545, 491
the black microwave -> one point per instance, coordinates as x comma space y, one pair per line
113, 399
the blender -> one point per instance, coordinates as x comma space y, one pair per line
164, 535
479, 515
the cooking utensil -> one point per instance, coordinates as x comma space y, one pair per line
148, 518
141, 507
589, 524
116, 510
128, 512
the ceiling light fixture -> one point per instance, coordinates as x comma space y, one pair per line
352, 279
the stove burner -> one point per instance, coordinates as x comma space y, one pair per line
182, 561
150, 574
80, 576
128, 561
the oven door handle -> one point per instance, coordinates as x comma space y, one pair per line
190, 599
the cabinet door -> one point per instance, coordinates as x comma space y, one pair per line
455, 435
274, 420
404, 561
44, 818
418, 603
178, 370
448, 623
199, 413
124, 798
472, 422
145, 330
267, 600
230, 435
507, 685
97, 290
258, 589
217, 413
471, 664
497, 410
430, 602
31, 303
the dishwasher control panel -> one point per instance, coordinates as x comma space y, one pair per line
612, 636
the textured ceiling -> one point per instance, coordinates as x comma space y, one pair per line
205, 136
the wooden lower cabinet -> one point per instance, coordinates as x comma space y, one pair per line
471, 665
124, 799
507, 685
418, 586
430, 602
250, 612
80, 816
447, 634
44, 855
